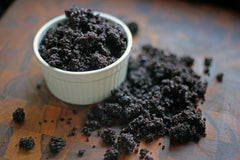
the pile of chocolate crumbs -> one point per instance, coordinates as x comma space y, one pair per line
160, 97
83, 42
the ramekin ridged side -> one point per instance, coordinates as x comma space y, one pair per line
88, 87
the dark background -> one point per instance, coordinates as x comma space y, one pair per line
229, 4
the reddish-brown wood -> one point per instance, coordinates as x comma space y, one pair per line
196, 30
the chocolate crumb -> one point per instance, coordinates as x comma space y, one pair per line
61, 119
188, 61
163, 147
133, 26
99, 132
143, 152
93, 146
38, 87
45, 121
74, 128
136, 149
18, 115
74, 111
219, 77
52, 121
81, 152
208, 61
56, 144
27, 143
206, 70
112, 153
109, 135
40, 123
126, 141
90, 126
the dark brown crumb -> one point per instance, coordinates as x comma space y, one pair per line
74, 111
219, 77
143, 152
27, 143
133, 26
188, 61
38, 87
125, 140
61, 119
163, 147
112, 153
148, 158
90, 126
52, 121
109, 135
18, 115
56, 144
191, 131
45, 121
74, 128
93, 146
40, 123
208, 61
136, 149
206, 70
159, 143
81, 152
83, 42
99, 132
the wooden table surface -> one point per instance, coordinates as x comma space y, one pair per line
196, 30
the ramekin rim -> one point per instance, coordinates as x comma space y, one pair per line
62, 17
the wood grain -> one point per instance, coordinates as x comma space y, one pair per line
196, 30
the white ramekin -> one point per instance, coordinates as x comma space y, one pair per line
86, 87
